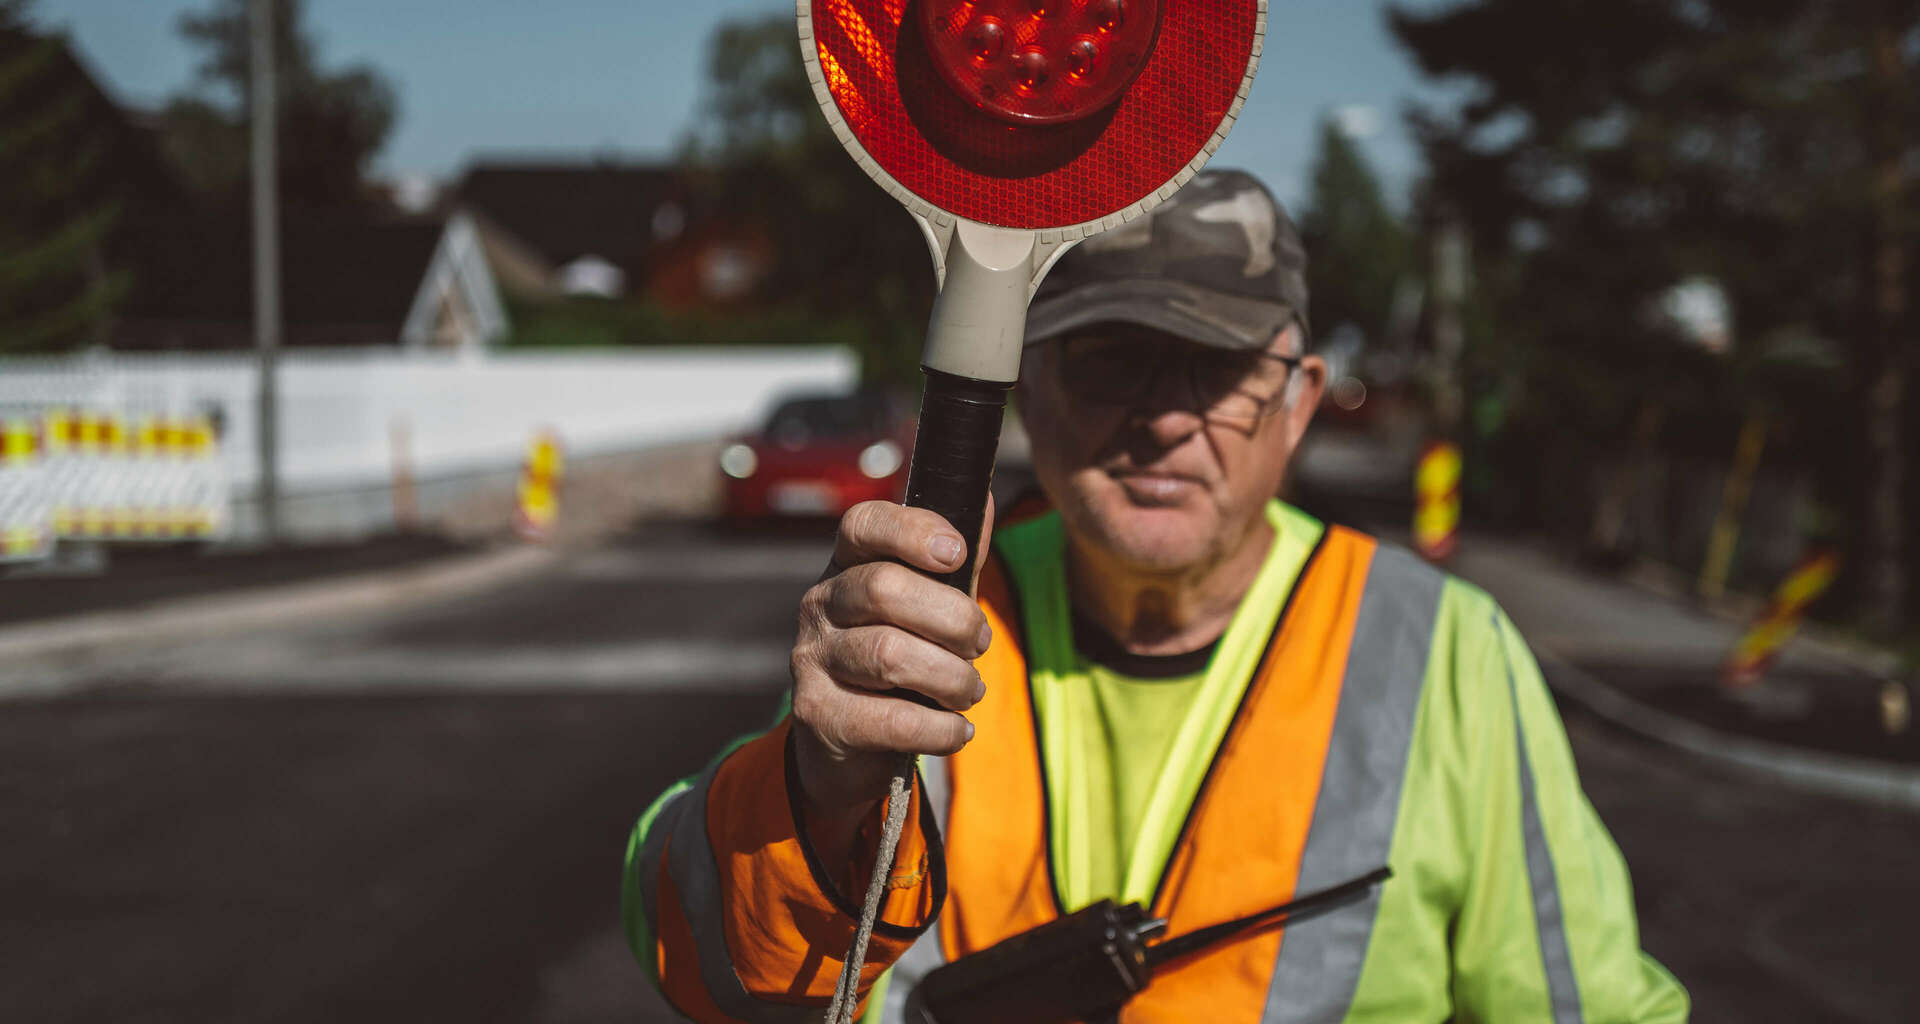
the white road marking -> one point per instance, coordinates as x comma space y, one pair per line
275, 607
232, 644
645, 666
661, 665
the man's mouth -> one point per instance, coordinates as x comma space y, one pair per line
1155, 488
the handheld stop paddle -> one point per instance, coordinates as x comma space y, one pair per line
1011, 129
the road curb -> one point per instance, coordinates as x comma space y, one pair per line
1854, 778
268, 606
1739, 610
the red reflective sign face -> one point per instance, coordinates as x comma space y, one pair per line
1039, 61
913, 86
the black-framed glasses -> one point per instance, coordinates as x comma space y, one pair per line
1130, 368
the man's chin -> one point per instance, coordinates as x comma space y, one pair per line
1158, 538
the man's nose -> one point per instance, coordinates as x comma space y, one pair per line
1167, 414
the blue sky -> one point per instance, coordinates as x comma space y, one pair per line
586, 76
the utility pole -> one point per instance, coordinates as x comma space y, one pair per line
266, 264
1888, 365
1450, 272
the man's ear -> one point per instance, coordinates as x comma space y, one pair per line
1310, 384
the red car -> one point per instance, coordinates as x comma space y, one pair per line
817, 456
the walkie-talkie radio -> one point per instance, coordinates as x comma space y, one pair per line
1085, 966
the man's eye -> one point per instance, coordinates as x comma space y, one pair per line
1112, 353
1227, 366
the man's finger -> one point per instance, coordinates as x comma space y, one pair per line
886, 594
880, 531
884, 658
873, 722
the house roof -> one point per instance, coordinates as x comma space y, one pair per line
346, 278
564, 211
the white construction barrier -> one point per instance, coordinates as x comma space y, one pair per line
131, 476
349, 418
26, 509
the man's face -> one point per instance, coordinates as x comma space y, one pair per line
1170, 478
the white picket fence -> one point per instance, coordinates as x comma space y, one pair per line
347, 416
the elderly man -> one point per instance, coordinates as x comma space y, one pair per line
1173, 691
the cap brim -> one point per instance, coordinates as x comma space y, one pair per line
1188, 311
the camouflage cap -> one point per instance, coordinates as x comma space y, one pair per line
1219, 263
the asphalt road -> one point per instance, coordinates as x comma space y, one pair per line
421, 817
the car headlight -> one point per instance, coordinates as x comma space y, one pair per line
738, 461
880, 460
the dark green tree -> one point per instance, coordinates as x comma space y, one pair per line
55, 290
332, 123
1358, 247
1607, 152
846, 249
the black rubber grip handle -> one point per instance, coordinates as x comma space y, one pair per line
953, 457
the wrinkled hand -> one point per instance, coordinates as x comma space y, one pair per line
870, 626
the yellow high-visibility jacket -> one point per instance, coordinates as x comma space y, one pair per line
1386, 715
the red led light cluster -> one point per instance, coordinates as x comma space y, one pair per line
1039, 61
910, 90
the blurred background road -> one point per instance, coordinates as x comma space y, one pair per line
421, 815
348, 718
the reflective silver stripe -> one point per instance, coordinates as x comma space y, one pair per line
1548, 919
690, 862
936, 787
1318, 969
651, 851
916, 963
925, 954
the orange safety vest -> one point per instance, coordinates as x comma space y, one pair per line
1241, 848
